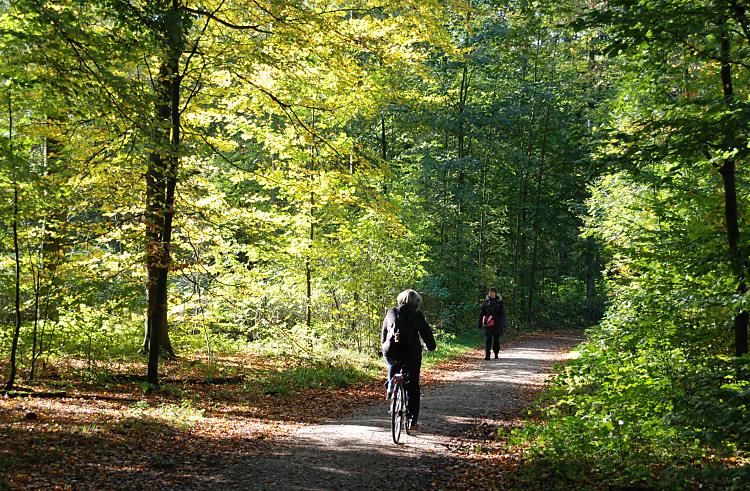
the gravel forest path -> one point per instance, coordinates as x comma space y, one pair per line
357, 452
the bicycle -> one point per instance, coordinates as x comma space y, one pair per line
399, 406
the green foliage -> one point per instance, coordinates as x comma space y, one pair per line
324, 366
180, 416
317, 175
629, 418
311, 376
564, 304
451, 345
656, 398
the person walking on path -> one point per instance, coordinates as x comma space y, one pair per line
492, 320
403, 327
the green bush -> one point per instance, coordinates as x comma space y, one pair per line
636, 417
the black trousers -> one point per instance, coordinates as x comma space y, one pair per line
491, 341
412, 368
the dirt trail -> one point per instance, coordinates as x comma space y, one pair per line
358, 453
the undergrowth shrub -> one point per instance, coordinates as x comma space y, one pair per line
640, 417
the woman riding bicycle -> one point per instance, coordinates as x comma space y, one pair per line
400, 342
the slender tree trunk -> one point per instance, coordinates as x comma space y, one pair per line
311, 233
532, 283
383, 139
519, 242
592, 266
461, 137
536, 223
35, 330
17, 331
591, 272
739, 12
161, 184
462, 96
537, 209
308, 265
738, 257
444, 212
52, 249
37, 273
482, 220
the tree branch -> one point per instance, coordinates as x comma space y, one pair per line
230, 162
231, 25
738, 12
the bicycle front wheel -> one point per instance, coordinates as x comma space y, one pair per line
397, 413
407, 416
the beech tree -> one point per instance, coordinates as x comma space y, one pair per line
702, 116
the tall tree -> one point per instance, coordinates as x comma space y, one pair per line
700, 122
13, 165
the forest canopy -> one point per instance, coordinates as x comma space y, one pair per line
264, 171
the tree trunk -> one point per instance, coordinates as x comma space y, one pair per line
462, 96
461, 140
37, 272
536, 222
156, 185
161, 182
310, 233
17, 331
308, 265
518, 237
53, 243
54, 238
738, 257
383, 139
519, 240
535, 225
591, 271
482, 220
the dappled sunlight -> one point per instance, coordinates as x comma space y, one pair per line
459, 420
215, 440
108, 446
573, 355
482, 395
540, 355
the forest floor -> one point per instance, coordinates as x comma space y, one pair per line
203, 435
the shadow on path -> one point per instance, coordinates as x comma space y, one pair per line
358, 453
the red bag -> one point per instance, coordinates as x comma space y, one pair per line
488, 321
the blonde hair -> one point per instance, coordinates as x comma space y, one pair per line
410, 298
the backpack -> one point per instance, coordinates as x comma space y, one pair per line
400, 334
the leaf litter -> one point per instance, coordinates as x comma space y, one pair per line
112, 436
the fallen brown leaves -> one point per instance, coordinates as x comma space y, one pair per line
88, 442
483, 459
108, 435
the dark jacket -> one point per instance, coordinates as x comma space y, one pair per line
495, 308
416, 319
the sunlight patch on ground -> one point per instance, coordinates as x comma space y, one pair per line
460, 420
544, 355
572, 355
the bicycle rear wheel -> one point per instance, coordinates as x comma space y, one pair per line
397, 412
